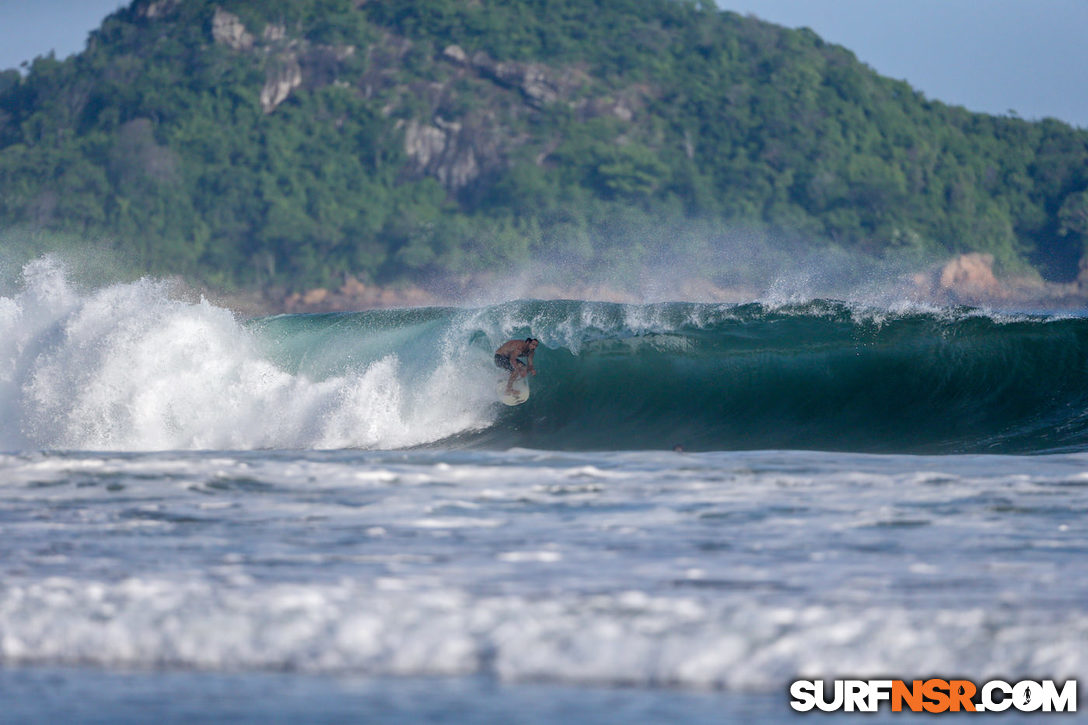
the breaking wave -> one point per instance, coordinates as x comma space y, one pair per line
132, 367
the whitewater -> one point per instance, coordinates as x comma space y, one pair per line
310, 517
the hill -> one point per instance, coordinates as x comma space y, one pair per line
297, 143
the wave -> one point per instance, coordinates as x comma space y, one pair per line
820, 375
133, 367
630, 638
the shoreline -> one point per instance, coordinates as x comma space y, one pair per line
967, 279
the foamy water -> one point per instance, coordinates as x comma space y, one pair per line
189, 495
129, 367
737, 571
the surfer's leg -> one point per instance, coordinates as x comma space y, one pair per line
501, 361
516, 371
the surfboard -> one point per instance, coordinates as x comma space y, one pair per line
520, 394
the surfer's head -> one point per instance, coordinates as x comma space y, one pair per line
532, 342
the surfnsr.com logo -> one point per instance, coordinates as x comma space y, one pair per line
933, 696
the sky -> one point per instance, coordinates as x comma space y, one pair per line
996, 56
1028, 57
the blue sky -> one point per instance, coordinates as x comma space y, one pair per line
996, 56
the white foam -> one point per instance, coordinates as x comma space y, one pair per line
397, 627
529, 565
130, 367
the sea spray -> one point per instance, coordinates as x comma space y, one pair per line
131, 367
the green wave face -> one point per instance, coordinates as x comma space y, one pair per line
819, 375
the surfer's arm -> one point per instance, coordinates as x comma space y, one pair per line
529, 359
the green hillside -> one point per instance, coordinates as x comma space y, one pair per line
246, 143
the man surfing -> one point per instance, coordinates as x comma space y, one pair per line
506, 357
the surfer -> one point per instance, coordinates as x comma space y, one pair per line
506, 357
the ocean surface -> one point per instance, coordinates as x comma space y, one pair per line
329, 518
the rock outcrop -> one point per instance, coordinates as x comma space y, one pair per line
969, 279
157, 8
443, 150
970, 276
284, 74
354, 295
228, 29
538, 83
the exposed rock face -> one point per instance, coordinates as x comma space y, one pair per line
291, 62
463, 149
449, 136
228, 29
283, 76
157, 8
607, 106
970, 279
352, 295
423, 143
539, 83
464, 124
455, 54
970, 275
273, 33
446, 150
315, 296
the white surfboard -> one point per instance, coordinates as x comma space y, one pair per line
520, 394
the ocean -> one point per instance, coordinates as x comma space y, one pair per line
330, 518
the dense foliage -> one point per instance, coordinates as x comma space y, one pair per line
596, 130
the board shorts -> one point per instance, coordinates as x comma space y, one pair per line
503, 362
